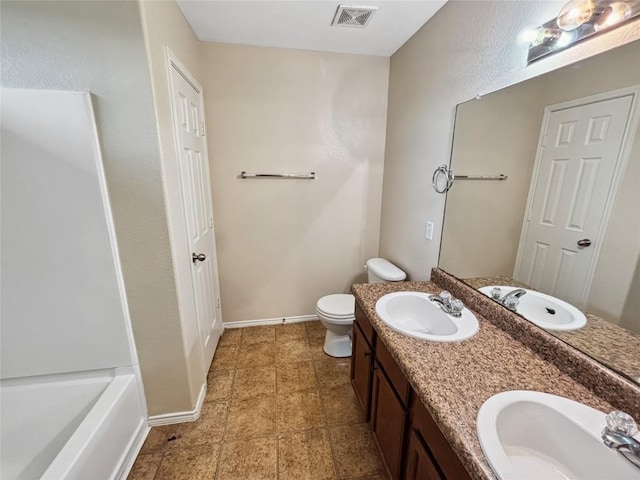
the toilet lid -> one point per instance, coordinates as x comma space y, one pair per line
337, 305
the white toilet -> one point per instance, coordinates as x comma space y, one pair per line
337, 312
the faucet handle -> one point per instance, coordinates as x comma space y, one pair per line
621, 422
496, 293
457, 306
511, 302
446, 296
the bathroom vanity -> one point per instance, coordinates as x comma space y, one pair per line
404, 431
421, 398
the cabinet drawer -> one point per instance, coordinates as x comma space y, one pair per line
395, 375
365, 326
448, 462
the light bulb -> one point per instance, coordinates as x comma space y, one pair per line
528, 35
574, 14
538, 36
615, 13
565, 39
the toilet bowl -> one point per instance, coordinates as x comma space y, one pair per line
337, 311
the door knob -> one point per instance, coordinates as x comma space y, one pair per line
585, 242
198, 257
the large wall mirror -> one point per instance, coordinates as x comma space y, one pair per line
565, 224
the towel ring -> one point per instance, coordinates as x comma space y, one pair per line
449, 176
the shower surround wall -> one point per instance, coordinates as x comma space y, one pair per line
69, 364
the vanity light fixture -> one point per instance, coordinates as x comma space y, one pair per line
576, 21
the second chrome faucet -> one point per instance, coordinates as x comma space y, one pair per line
511, 299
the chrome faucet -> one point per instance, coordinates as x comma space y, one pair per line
448, 304
618, 435
510, 299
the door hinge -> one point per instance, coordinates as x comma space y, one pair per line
203, 130
218, 303
211, 222
544, 140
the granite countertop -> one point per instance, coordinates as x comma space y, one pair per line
605, 341
453, 379
616, 347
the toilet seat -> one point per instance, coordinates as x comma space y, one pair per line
336, 321
331, 315
339, 306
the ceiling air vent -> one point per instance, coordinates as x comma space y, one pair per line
352, 16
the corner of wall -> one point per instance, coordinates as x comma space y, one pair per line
165, 29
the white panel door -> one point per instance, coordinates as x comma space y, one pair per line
575, 174
196, 199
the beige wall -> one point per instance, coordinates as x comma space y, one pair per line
99, 46
467, 48
632, 304
164, 26
282, 244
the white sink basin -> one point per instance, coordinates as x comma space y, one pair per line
533, 435
413, 314
544, 310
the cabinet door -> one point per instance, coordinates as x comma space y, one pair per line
439, 449
420, 466
361, 367
388, 422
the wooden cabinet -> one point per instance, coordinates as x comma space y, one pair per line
420, 466
410, 443
363, 342
390, 399
438, 449
388, 422
361, 369
396, 378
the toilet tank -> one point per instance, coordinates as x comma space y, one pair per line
381, 271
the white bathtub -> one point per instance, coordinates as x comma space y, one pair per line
83, 425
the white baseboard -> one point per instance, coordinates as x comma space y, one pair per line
180, 417
269, 321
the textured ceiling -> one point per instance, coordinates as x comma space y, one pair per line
305, 24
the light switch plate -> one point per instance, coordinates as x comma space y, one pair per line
429, 232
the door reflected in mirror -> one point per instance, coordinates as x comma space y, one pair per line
566, 222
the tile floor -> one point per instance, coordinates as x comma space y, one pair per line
277, 407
